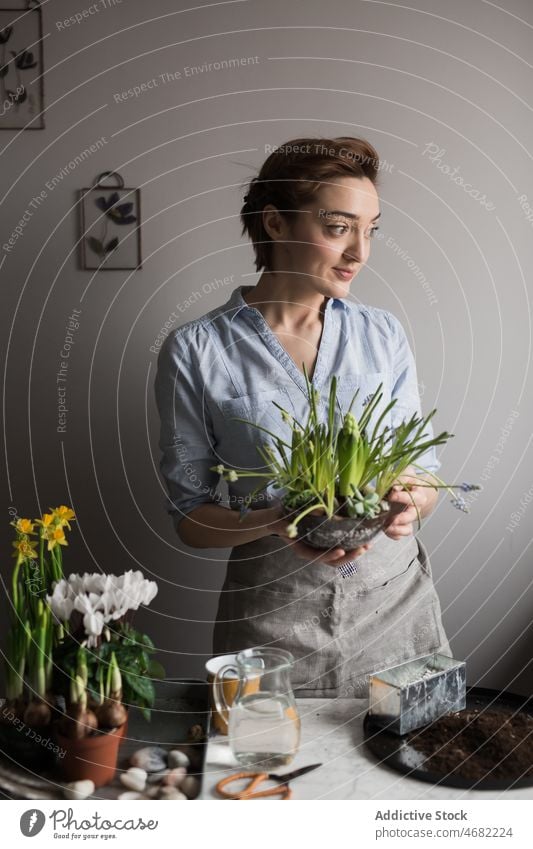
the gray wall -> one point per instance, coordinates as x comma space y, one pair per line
435, 89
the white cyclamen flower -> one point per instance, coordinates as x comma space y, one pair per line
61, 601
100, 598
93, 624
95, 583
149, 592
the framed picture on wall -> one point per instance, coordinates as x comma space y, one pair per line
110, 219
21, 68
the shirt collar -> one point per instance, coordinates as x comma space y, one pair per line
237, 303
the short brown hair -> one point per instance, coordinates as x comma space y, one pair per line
290, 177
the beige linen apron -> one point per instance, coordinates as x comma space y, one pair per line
339, 630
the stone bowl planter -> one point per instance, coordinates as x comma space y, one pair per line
28, 746
33, 748
318, 531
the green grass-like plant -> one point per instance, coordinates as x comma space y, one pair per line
347, 470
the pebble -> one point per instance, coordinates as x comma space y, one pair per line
190, 786
151, 792
170, 793
174, 777
78, 789
134, 778
130, 794
157, 777
177, 758
151, 758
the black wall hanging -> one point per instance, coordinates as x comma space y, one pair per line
21, 68
110, 225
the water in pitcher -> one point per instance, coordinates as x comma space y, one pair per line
264, 730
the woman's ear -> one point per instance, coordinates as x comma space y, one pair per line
274, 223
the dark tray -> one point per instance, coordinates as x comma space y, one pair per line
179, 704
395, 752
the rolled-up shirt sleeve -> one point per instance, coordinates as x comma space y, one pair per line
186, 433
405, 391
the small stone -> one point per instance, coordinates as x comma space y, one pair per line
195, 752
157, 777
177, 758
151, 791
174, 777
190, 786
151, 758
170, 793
130, 794
78, 789
134, 778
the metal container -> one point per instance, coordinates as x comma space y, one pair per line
416, 693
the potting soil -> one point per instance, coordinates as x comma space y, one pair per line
477, 744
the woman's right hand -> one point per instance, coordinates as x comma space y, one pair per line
331, 557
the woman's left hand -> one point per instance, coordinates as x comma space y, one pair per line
403, 524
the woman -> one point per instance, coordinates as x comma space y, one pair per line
310, 214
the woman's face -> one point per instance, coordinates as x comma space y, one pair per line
332, 233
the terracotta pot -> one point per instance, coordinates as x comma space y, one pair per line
320, 532
93, 757
123, 732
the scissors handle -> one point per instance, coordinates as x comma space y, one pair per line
257, 778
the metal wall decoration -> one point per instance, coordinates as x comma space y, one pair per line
110, 225
21, 68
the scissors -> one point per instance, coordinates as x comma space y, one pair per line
257, 778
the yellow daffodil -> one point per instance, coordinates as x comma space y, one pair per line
55, 536
24, 526
24, 549
63, 514
46, 520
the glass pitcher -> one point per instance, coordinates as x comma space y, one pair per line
263, 721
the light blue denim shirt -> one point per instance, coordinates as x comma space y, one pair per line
229, 364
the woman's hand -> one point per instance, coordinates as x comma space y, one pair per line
331, 557
423, 496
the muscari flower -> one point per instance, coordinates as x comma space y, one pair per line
460, 503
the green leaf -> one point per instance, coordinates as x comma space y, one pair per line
156, 669
145, 639
142, 686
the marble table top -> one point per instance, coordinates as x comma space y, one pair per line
332, 734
